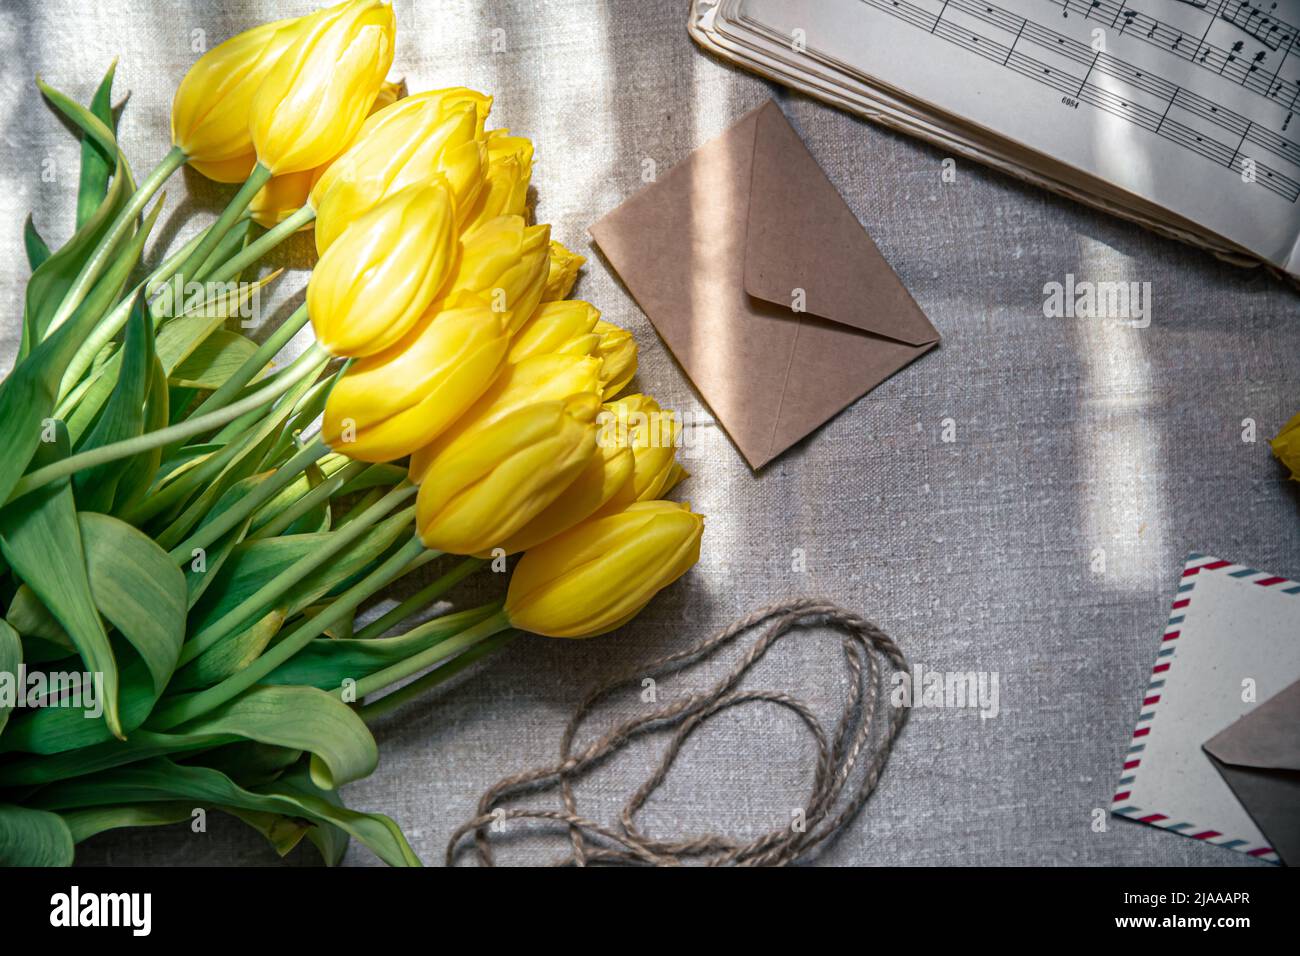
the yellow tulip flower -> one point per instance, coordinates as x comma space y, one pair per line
211, 107
562, 272
505, 180
598, 576
557, 327
281, 197
409, 142
605, 478
543, 378
481, 489
676, 475
371, 286
286, 194
503, 266
617, 351
388, 405
390, 91
1286, 446
320, 90
652, 433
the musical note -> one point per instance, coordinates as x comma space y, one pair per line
1253, 21
1189, 120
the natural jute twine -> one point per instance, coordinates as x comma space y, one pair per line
836, 757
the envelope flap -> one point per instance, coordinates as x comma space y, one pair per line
1267, 738
803, 236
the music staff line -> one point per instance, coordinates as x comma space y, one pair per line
1252, 21
1174, 95
1245, 71
1228, 155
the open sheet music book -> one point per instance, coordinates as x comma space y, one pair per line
1178, 114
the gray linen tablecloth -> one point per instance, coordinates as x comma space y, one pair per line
1071, 435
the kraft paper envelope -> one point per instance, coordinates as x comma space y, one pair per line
764, 285
1259, 758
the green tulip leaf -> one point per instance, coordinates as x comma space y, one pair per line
249, 763
11, 656
95, 128
29, 392
56, 730
229, 656
299, 718
33, 838
327, 662
139, 471
35, 247
50, 283
41, 540
290, 718
123, 415
138, 589
31, 618
84, 824
159, 779
283, 833
216, 358
202, 572
180, 336
96, 161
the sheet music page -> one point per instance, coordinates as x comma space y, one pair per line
1190, 104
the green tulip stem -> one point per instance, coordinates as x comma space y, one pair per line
264, 598
359, 506
310, 500
420, 599
284, 476
258, 178
259, 247
417, 688
175, 433
255, 362
122, 224
182, 709
432, 655
72, 387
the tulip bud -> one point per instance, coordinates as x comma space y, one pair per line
598, 576
676, 475
652, 433
286, 194
543, 378
505, 179
503, 266
617, 351
388, 405
562, 272
318, 93
410, 142
1286, 446
480, 490
563, 327
281, 197
606, 476
390, 91
211, 107
371, 286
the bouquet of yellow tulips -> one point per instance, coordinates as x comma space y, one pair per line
191, 526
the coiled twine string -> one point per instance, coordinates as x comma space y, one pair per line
863, 644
